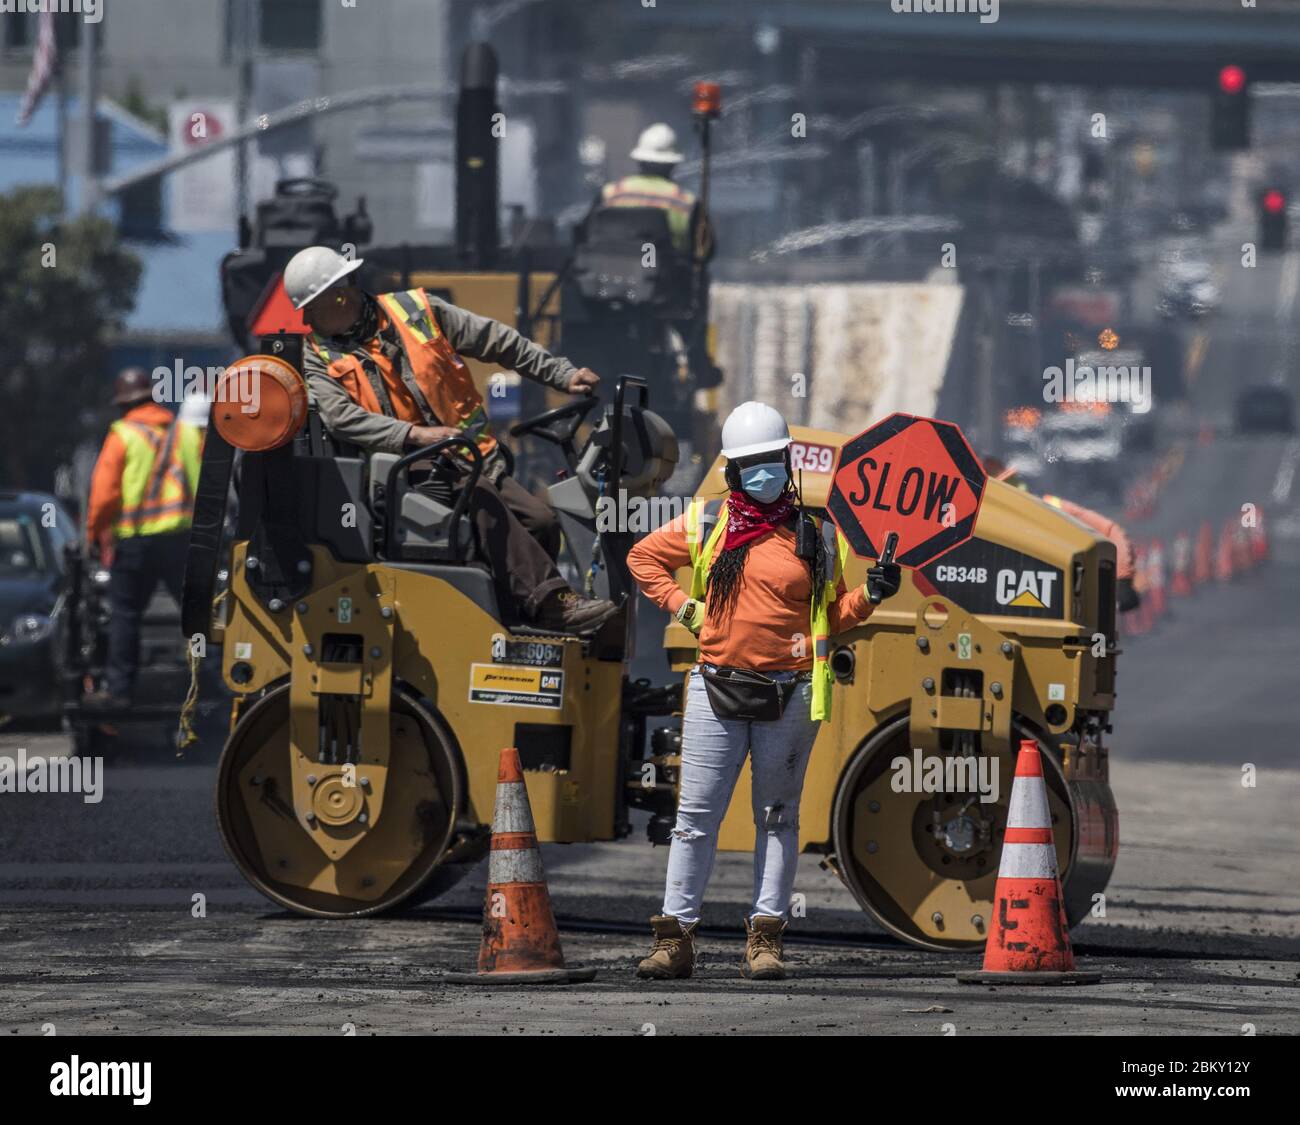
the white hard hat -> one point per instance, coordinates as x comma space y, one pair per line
753, 427
657, 145
310, 272
195, 409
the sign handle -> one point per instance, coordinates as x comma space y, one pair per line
891, 545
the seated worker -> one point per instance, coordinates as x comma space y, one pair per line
386, 374
1127, 597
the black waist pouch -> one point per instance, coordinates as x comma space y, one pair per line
736, 693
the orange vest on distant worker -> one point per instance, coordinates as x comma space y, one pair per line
440, 375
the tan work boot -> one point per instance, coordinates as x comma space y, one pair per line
672, 957
763, 949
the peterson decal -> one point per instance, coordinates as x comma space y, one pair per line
512, 685
986, 577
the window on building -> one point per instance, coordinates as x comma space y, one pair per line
289, 25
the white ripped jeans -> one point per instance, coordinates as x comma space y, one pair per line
713, 754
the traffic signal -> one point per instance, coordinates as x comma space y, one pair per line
1272, 219
1231, 121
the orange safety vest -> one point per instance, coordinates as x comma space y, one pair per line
440, 376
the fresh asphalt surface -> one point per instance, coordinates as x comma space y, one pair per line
1200, 934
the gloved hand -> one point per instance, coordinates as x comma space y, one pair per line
883, 581
1127, 595
691, 614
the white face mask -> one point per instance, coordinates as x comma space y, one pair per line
765, 482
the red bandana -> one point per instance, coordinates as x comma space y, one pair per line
748, 520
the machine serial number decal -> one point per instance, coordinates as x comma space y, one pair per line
536, 654
513, 685
811, 458
986, 577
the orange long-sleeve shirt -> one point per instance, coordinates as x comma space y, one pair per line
769, 630
105, 503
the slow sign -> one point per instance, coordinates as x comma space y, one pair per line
911, 475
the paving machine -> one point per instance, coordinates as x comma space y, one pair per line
375, 679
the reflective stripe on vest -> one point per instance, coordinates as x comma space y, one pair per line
1055, 501
438, 381
159, 477
698, 517
655, 191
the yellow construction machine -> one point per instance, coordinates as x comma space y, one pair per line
375, 679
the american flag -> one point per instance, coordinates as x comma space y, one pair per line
44, 61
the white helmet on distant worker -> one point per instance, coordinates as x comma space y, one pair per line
657, 145
196, 409
753, 427
310, 272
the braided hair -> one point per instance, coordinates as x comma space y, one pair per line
724, 581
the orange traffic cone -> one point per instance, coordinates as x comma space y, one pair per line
520, 942
1156, 577
1259, 538
1138, 621
1243, 556
1029, 940
1181, 585
1203, 570
1223, 562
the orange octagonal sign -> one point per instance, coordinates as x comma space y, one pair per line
911, 475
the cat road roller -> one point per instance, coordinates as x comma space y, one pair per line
375, 680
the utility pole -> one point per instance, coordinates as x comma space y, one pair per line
243, 13
89, 105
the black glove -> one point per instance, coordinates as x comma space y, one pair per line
1127, 597
882, 581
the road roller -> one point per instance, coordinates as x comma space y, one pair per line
375, 678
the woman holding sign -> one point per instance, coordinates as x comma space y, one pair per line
766, 597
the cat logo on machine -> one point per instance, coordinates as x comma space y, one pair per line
1026, 589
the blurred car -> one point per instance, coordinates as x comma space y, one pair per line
1264, 410
34, 529
1082, 445
1187, 289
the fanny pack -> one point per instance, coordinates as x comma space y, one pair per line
737, 693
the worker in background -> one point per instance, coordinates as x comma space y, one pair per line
386, 374
652, 185
1127, 597
138, 518
764, 601
657, 157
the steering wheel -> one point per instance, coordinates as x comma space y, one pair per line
544, 425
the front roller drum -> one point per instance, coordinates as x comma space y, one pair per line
397, 860
924, 864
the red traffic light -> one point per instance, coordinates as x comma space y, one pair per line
1232, 80
1274, 201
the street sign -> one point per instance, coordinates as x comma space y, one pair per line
911, 475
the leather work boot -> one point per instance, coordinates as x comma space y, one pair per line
763, 949
567, 612
672, 957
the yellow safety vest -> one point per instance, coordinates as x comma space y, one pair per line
159, 478
819, 626
655, 191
